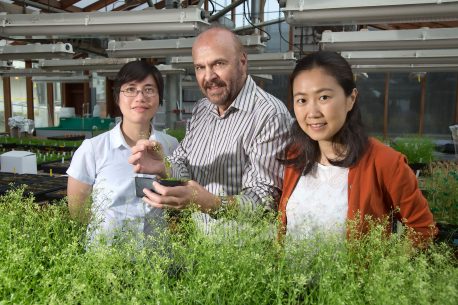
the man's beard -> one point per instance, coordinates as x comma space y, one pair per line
218, 99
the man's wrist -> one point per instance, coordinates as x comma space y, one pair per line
224, 204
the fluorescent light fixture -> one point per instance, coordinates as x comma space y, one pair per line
85, 64
420, 39
337, 12
170, 47
271, 59
36, 51
449, 56
183, 21
287, 69
61, 79
150, 48
404, 68
164, 69
262, 77
254, 60
252, 43
34, 72
6, 64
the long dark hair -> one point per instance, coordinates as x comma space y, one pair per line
305, 152
137, 71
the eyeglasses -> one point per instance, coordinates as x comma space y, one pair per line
133, 92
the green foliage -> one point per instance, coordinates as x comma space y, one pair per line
416, 149
441, 189
46, 150
39, 142
52, 157
177, 133
382, 139
44, 259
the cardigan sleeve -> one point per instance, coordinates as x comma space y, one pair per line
402, 187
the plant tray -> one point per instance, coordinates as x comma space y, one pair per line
56, 167
448, 233
68, 138
38, 185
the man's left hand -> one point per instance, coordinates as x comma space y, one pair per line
180, 197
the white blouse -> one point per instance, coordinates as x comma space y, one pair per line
319, 203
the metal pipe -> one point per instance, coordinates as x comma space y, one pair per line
43, 6
261, 24
14, 9
169, 4
150, 3
222, 12
255, 14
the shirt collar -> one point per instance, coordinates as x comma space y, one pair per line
117, 138
243, 101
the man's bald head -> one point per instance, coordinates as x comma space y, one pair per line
220, 64
223, 35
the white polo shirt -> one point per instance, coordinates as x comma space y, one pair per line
102, 162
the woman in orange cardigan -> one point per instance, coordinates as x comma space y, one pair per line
334, 172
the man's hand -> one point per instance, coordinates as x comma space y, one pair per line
148, 157
180, 197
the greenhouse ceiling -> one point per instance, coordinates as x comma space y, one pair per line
47, 29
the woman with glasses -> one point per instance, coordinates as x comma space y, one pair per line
101, 188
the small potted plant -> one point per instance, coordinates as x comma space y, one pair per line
146, 181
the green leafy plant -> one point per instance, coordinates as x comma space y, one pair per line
36, 142
382, 139
45, 259
416, 149
441, 189
177, 133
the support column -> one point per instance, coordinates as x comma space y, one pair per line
29, 91
291, 37
456, 102
50, 103
422, 105
87, 111
112, 108
8, 111
385, 105
63, 95
173, 100
255, 11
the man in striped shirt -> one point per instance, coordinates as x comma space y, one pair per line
233, 140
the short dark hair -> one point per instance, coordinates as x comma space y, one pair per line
138, 71
352, 135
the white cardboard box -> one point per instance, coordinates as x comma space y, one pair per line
19, 162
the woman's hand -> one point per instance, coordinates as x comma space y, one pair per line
148, 157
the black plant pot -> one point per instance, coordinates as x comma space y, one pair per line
418, 166
147, 182
448, 233
171, 182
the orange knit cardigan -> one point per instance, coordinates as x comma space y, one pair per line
380, 184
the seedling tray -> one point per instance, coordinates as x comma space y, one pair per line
56, 167
68, 138
38, 185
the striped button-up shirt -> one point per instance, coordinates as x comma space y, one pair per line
237, 153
